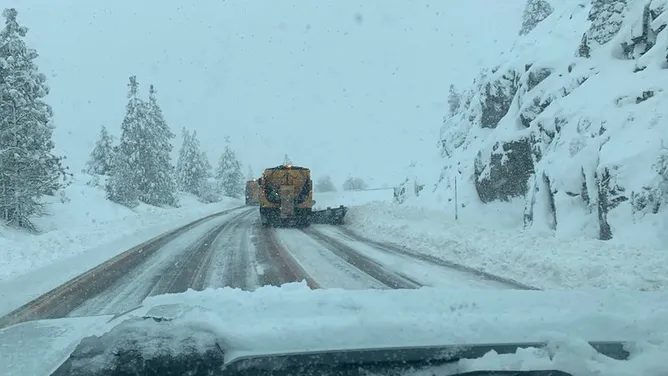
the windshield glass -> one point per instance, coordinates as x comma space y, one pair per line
351, 176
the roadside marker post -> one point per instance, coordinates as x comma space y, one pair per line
456, 206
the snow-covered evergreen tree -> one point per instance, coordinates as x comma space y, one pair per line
210, 191
286, 160
325, 184
535, 11
207, 166
181, 175
191, 167
454, 100
102, 155
354, 184
229, 174
28, 169
126, 172
156, 185
584, 50
250, 175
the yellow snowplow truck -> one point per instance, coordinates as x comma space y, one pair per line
252, 193
286, 199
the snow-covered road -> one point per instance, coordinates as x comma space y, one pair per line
337, 258
178, 265
231, 250
426, 270
327, 268
234, 250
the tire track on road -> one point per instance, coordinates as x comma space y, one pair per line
279, 267
236, 266
190, 271
228, 263
193, 271
365, 264
171, 271
393, 249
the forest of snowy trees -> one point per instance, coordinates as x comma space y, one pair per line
28, 168
138, 169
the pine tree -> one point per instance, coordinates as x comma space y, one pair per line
191, 167
354, 184
102, 155
206, 184
584, 50
207, 165
250, 173
454, 100
210, 191
181, 175
325, 184
123, 184
286, 160
229, 174
535, 11
156, 185
28, 169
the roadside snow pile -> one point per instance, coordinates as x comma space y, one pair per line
538, 261
572, 129
81, 218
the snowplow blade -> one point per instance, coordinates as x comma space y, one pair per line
329, 216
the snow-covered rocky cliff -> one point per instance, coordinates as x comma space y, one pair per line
570, 129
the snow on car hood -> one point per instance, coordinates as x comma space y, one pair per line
38, 347
293, 318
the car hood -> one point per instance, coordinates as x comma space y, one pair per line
293, 318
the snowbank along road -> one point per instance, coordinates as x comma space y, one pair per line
232, 249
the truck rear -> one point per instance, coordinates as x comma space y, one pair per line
286, 196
